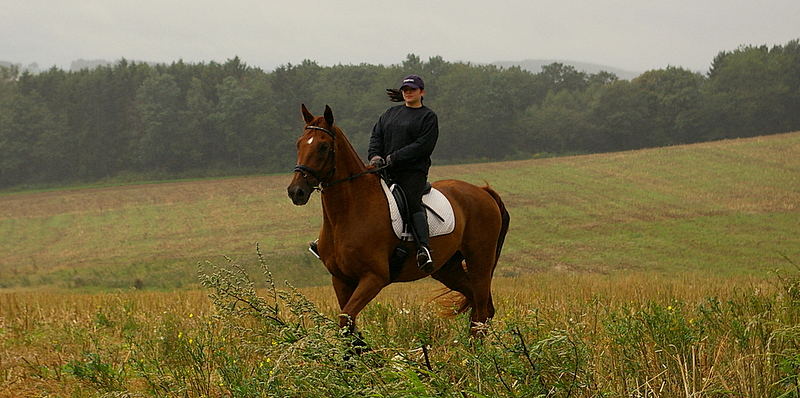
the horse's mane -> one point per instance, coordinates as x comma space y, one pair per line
349, 147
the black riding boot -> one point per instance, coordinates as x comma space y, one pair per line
419, 221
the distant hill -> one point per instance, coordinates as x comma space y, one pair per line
80, 64
535, 66
76, 65
32, 67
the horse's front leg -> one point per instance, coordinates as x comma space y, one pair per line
368, 287
344, 290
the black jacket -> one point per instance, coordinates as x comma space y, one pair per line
408, 135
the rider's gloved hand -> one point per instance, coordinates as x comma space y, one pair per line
377, 161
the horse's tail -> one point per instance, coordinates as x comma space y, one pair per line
505, 220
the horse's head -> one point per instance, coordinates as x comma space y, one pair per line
316, 161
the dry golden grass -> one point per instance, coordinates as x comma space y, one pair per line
42, 332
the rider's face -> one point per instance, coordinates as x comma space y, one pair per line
412, 96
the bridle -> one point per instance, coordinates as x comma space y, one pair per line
322, 183
305, 171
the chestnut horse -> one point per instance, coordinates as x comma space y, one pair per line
357, 239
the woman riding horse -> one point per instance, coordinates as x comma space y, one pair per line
403, 140
357, 240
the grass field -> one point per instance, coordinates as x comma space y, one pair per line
646, 273
556, 334
727, 207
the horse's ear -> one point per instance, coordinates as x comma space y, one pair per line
306, 114
329, 115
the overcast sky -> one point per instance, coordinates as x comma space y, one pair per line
636, 35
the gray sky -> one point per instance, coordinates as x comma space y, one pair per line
631, 34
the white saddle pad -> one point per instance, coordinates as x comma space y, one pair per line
436, 201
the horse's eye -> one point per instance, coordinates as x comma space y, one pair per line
324, 148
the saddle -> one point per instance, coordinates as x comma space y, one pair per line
441, 219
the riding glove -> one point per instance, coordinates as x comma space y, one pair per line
377, 161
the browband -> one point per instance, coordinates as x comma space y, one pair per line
330, 133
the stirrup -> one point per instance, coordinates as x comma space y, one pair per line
312, 247
424, 259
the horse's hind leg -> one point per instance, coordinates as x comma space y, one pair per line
452, 275
480, 267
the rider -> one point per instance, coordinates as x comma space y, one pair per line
403, 140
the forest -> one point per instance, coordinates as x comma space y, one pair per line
138, 121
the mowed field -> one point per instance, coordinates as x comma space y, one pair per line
728, 207
645, 273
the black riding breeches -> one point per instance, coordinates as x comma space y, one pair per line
413, 183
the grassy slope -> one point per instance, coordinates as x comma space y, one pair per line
728, 207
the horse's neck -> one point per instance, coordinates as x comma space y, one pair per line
340, 202
344, 203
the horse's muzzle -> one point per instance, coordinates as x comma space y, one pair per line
299, 191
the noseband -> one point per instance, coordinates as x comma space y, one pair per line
322, 183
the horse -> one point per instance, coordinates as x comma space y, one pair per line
356, 239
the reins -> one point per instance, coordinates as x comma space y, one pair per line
352, 177
321, 184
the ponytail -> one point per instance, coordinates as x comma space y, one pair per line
394, 94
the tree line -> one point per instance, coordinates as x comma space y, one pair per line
184, 119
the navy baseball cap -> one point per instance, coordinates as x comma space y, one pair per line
412, 81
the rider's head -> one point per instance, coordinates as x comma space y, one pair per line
413, 89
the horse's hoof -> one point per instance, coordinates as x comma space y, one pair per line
357, 348
479, 330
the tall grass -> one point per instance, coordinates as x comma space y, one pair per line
556, 334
